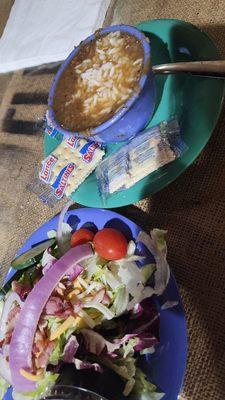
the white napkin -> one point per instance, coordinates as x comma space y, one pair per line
44, 31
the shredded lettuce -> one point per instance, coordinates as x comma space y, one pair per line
125, 367
129, 387
3, 387
128, 347
106, 312
131, 248
1, 306
147, 271
58, 351
93, 266
132, 278
148, 350
57, 354
53, 324
143, 389
98, 273
110, 279
158, 235
43, 388
156, 244
121, 298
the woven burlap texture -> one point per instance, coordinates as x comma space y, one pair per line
191, 209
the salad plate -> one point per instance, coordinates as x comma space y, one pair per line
165, 367
182, 95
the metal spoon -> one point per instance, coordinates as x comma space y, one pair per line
212, 69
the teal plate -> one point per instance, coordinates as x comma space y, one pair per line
196, 101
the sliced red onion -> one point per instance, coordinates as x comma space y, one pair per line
87, 365
145, 340
10, 299
71, 273
125, 338
70, 349
23, 335
99, 296
106, 300
96, 343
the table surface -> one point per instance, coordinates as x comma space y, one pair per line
192, 208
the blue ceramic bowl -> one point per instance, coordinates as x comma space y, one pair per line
132, 117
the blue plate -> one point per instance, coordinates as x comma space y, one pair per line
166, 367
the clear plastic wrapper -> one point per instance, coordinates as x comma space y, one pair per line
44, 192
146, 153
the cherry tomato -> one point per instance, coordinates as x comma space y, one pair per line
81, 236
110, 244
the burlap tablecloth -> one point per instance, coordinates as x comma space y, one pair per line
192, 208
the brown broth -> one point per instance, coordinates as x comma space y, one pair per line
70, 113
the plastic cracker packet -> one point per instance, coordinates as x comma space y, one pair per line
66, 168
146, 153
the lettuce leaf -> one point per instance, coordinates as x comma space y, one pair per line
43, 389
121, 299
156, 244
124, 367
143, 389
147, 271
128, 347
58, 351
3, 387
96, 343
148, 350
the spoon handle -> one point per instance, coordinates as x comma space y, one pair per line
214, 69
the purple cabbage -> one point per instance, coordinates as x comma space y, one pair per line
70, 349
